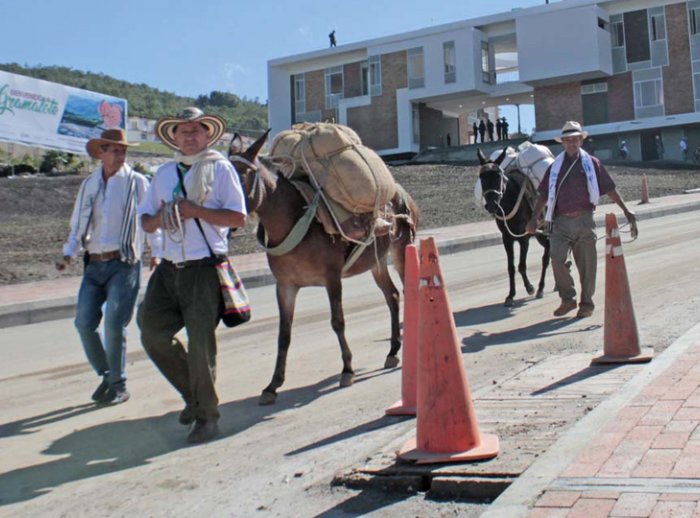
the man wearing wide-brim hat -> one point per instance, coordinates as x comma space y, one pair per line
570, 189
195, 199
105, 225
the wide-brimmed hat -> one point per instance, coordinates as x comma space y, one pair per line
165, 127
110, 136
571, 129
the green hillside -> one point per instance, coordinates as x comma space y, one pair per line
241, 114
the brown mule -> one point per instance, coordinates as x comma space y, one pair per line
318, 259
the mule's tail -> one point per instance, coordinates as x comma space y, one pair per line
406, 217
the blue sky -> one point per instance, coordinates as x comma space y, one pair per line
196, 46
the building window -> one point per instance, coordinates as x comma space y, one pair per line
485, 63
364, 72
416, 68
448, 53
299, 94
594, 88
648, 93
617, 31
695, 20
334, 86
375, 75
658, 27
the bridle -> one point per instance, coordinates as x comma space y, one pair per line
255, 194
503, 181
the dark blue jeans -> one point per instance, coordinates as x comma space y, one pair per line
116, 284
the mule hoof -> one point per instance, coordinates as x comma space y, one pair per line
347, 379
267, 398
540, 294
508, 303
391, 362
530, 289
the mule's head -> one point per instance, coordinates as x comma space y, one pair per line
493, 181
248, 166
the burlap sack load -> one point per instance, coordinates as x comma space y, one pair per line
533, 160
333, 156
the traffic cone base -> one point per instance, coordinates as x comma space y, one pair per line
644, 356
487, 449
399, 408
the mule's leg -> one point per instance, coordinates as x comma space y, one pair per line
508, 245
524, 243
545, 263
391, 295
286, 298
335, 296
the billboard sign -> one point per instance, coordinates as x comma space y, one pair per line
39, 113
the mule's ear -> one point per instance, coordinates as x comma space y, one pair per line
236, 146
482, 158
501, 157
252, 152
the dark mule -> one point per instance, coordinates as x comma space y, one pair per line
510, 199
319, 258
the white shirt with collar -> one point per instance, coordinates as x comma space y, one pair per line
99, 212
225, 193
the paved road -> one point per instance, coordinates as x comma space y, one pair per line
528, 373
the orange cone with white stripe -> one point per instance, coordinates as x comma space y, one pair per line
621, 338
409, 355
446, 428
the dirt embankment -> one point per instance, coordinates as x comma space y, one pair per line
35, 211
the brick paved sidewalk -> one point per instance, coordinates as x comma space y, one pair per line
636, 454
646, 462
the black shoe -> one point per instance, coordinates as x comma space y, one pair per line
100, 390
203, 431
186, 417
114, 397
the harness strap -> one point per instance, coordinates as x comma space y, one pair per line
297, 233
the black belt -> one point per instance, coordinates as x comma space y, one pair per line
204, 261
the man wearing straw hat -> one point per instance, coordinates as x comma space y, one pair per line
570, 189
104, 223
195, 199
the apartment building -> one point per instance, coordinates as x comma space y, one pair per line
627, 69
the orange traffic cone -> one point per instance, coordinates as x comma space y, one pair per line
645, 191
447, 429
621, 339
407, 404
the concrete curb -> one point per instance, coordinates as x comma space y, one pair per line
64, 307
518, 500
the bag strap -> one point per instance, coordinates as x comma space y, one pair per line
196, 220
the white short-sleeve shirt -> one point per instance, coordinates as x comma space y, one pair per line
226, 193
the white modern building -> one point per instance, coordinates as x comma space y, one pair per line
627, 69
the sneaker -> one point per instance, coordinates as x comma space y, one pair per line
100, 390
186, 417
565, 307
203, 431
114, 397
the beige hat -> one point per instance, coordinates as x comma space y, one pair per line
165, 127
571, 129
110, 136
